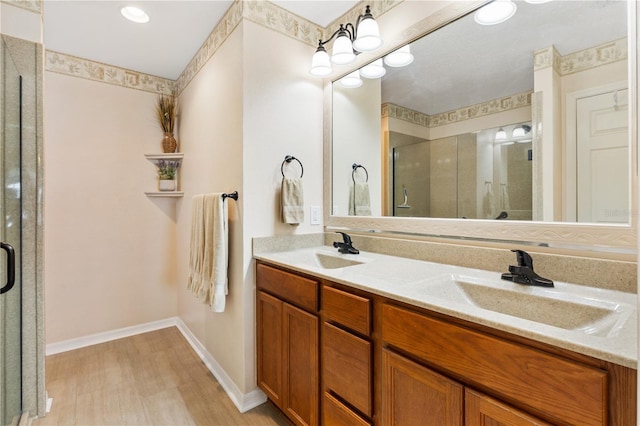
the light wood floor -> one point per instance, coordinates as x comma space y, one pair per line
149, 379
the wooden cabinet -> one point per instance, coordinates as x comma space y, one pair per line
564, 391
481, 410
269, 339
339, 356
288, 343
347, 365
414, 395
335, 413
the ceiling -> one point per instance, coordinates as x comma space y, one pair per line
95, 29
464, 63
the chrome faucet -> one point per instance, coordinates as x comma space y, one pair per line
346, 245
523, 273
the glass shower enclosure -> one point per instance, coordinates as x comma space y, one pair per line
10, 239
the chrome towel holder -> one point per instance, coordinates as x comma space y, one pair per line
288, 159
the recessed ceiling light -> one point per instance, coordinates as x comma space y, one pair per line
495, 12
135, 14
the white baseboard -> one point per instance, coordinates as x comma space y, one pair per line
244, 402
107, 336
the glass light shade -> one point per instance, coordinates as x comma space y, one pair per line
351, 80
518, 132
399, 58
320, 64
501, 135
373, 70
368, 36
495, 12
342, 52
135, 14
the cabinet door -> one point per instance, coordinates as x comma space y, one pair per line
481, 410
269, 339
415, 395
301, 387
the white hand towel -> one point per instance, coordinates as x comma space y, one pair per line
292, 201
209, 250
488, 202
506, 205
360, 200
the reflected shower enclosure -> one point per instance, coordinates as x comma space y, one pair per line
472, 176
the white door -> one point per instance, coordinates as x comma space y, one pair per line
602, 158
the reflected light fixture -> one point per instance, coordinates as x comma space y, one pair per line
496, 12
351, 80
349, 41
399, 58
501, 135
521, 130
373, 70
135, 14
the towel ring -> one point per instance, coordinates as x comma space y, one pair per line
288, 159
355, 167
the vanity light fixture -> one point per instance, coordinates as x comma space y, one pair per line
135, 14
521, 130
399, 58
349, 41
496, 12
501, 135
351, 80
373, 70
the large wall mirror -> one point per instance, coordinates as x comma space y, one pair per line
529, 123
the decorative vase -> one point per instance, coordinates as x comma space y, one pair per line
169, 143
166, 185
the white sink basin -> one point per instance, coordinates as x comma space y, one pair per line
551, 306
330, 261
325, 259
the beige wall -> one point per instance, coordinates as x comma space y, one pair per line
109, 250
356, 128
211, 138
245, 110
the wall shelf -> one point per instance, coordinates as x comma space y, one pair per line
177, 156
155, 158
165, 194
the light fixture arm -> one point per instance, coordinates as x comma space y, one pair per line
348, 29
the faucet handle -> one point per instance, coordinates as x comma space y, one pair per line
345, 237
523, 258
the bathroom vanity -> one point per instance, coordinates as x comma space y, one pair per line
374, 339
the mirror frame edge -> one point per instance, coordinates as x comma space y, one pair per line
604, 239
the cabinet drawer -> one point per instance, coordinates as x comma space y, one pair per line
347, 367
347, 309
566, 391
295, 289
336, 413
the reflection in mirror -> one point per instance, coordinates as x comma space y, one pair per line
524, 120
481, 175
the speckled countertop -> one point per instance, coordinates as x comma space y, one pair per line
591, 321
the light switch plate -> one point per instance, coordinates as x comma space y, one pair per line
316, 213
